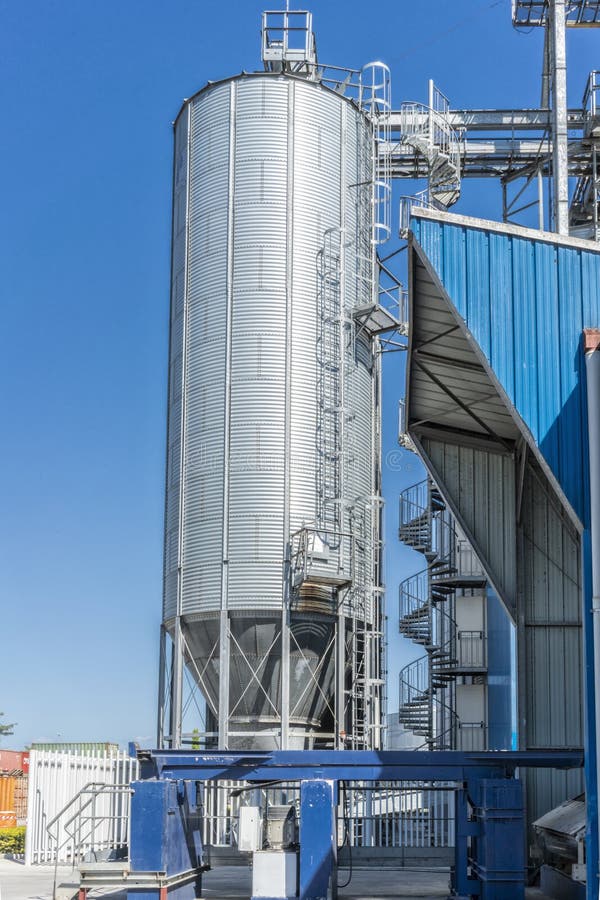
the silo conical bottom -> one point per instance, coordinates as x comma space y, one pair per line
255, 677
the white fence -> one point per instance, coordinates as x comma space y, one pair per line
72, 788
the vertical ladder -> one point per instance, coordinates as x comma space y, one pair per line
330, 388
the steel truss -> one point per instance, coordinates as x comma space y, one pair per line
527, 145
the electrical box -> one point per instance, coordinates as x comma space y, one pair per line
274, 874
250, 828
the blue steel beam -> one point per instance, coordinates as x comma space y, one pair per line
350, 765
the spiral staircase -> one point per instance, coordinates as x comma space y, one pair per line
427, 605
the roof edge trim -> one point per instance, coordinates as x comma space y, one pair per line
532, 234
281, 76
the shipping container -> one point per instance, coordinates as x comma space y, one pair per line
7, 792
21, 791
82, 748
14, 762
8, 820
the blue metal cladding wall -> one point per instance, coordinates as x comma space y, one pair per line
527, 302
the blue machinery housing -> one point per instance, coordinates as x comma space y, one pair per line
490, 838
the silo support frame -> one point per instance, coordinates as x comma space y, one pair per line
176, 684
163, 679
340, 681
285, 677
224, 651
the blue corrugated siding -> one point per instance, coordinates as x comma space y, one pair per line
526, 302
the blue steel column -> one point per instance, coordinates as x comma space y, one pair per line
463, 884
165, 840
318, 841
591, 555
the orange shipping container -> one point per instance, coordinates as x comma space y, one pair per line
7, 792
21, 785
8, 820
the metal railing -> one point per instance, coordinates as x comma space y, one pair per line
471, 649
466, 560
394, 300
428, 130
287, 37
420, 200
427, 604
589, 101
95, 822
375, 814
414, 598
322, 556
396, 814
421, 509
376, 101
414, 685
423, 515
471, 736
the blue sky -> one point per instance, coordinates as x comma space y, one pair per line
88, 91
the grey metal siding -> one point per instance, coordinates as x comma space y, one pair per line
480, 488
551, 589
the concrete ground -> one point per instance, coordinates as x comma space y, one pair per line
19, 882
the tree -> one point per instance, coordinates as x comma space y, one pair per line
6, 729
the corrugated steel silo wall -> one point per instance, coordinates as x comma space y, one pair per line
264, 165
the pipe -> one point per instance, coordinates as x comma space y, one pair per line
546, 77
560, 162
592, 366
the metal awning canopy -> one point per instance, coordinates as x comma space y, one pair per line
448, 386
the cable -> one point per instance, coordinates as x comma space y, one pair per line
442, 34
346, 837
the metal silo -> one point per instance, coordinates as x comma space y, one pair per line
272, 595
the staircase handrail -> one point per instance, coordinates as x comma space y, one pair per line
414, 680
414, 599
94, 789
85, 789
417, 120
